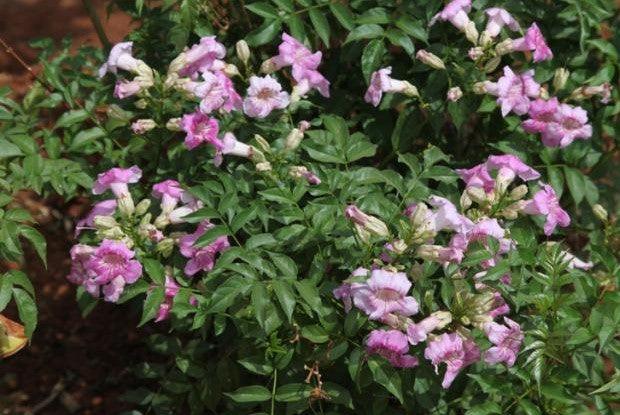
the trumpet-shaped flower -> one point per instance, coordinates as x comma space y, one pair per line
201, 259
533, 41
545, 202
477, 176
456, 13
507, 340
454, 351
200, 129
116, 179
383, 293
264, 95
103, 208
120, 57
393, 345
497, 19
204, 56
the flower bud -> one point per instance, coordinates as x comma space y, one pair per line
443, 318
141, 103
293, 139
600, 212
143, 206
465, 201
105, 222
269, 66
146, 219
243, 51
161, 221
410, 90
477, 194
112, 233
174, 124
485, 38
231, 70
504, 47
560, 78
518, 192
543, 93
117, 113
471, 33
367, 222
492, 64
177, 63
125, 205
454, 94
398, 246
430, 59
262, 143
165, 246
263, 166
475, 53
141, 126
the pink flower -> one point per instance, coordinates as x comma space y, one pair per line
575, 263
304, 64
113, 290
481, 231
507, 341
216, 92
203, 56
541, 113
418, 332
171, 290
234, 147
545, 202
498, 18
499, 305
440, 253
477, 176
383, 293
391, 344
514, 91
380, 82
510, 166
103, 208
344, 291
533, 41
80, 254
571, 124
446, 216
116, 179
264, 95
191, 204
454, 351
200, 128
201, 259
120, 58
113, 259
455, 12
170, 192
124, 89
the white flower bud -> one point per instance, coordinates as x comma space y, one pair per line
560, 78
485, 39
504, 47
477, 194
105, 222
269, 66
430, 59
518, 192
125, 205
492, 64
143, 125
243, 51
263, 166
141, 103
475, 53
143, 206
600, 212
471, 33
262, 143
174, 124
293, 139
165, 246
454, 94
231, 70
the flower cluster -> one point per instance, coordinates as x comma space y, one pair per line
383, 291
126, 234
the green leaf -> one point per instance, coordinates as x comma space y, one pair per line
265, 33
372, 57
412, 27
386, 376
153, 300
263, 9
27, 310
70, 118
86, 137
314, 333
19, 278
37, 240
260, 300
309, 293
320, 23
260, 239
243, 217
286, 297
211, 235
8, 149
293, 392
528, 407
254, 393
226, 294
343, 14
360, 149
155, 270
398, 38
576, 183
366, 31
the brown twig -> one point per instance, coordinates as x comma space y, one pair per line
14, 54
94, 18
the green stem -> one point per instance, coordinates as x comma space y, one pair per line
273, 392
94, 18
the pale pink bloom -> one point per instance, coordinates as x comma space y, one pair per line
499, 307
477, 176
112, 259
201, 259
120, 58
391, 344
234, 147
418, 332
497, 19
446, 216
383, 293
80, 255
576, 263
545, 202
170, 192
113, 290
103, 208
533, 41
510, 166
481, 231
440, 253
454, 351
456, 13
203, 56
116, 179
541, 113
380, 82
571, 124
124, 88
211, 91
514, 91
343, 292
264, 95
454, 94
171, 290
200, 129
507, 341
143, 125
233, 100
190, 205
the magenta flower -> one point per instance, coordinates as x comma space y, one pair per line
103, 208
264, 95
542, 113
171, 290
454, 351
510, 166
211, 91
507, 341
201, 259
344, 291
124, 89
203, 56
170, 192
571, 124
481, 231
380, 82
514, 91
499, 307
545, 202
477, 176
120, 58
418, 332
456, 13
113, 290
391, 344
497, 19
533, 41
383, 293
200, 128
446, 216
116, 179
113, 259
80, 255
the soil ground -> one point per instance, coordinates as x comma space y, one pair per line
74, 365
